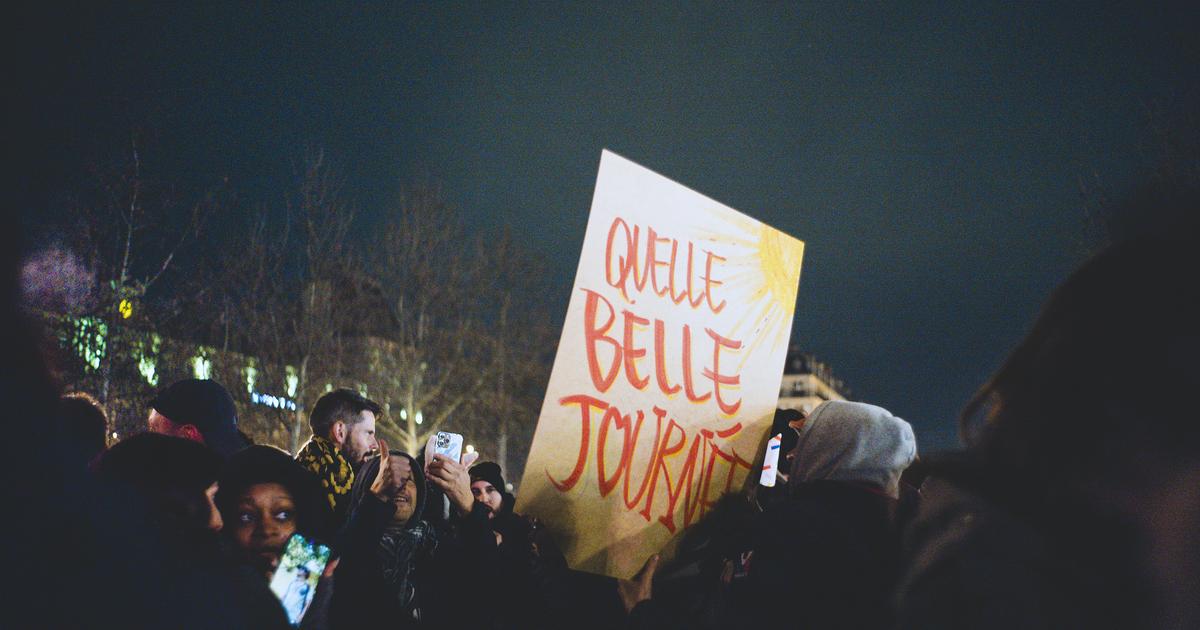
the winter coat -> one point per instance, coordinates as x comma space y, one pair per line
826, 558
442, 567
536, 587
980, 555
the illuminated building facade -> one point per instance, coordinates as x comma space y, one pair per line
808, 382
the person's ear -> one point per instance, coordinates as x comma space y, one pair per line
190, 432
339, 432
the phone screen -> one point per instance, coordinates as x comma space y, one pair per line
295, 581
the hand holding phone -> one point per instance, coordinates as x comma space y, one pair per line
446, 444
445, 471
295, 581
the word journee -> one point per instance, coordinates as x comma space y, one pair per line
653, 268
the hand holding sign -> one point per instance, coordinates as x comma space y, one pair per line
640, 588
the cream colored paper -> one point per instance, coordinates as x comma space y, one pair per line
629, 452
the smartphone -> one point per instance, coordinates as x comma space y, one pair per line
770, 469
295, 581
444, 443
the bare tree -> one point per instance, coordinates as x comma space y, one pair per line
129, 228
464, 337
288, 295
522, 341
431, 362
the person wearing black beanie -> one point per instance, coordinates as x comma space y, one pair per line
488, 488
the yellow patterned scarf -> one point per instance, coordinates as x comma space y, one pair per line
321, 457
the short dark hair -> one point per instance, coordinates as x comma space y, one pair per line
84, 420
171, 473
340, 404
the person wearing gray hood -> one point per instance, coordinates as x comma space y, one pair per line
827, 556
856, 443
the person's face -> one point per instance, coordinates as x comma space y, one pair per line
265, 519
158, 423
487, 494
360, 439
405, 498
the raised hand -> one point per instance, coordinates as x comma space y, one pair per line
385, 484
453, 479
639, 589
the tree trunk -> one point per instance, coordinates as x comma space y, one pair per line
410, 434
502, 448
301, 412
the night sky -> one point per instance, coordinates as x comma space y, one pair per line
930, 156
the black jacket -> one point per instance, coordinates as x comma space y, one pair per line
825, 558
984, 554
447, 570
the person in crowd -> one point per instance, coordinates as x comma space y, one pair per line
822, 554
85, 419
176, 480
488, 488
397, 566
264, 498
533, 584
829, 553
200, 410
343, 436
530, 567
88, 551
177, 476
1066, 509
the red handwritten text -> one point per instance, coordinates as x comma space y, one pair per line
599, 318
630, 261
697, 476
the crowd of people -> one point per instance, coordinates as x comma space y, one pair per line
1074, 504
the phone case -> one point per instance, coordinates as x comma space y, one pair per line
295, 581
444, 443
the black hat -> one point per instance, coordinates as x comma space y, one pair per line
489, 472
267, 464
206, 405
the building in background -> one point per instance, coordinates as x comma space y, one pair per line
807, 382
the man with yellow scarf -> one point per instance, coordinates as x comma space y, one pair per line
343, 426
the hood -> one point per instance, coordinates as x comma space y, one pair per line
366, 476
851, 441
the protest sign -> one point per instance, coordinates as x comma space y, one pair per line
667, 372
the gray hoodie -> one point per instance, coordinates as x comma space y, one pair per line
852, 441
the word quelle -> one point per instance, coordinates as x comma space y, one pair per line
629, 260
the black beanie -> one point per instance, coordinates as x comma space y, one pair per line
489, 472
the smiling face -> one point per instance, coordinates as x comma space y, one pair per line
487, 494
264, 520
405, 495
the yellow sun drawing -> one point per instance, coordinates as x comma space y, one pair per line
764, 266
